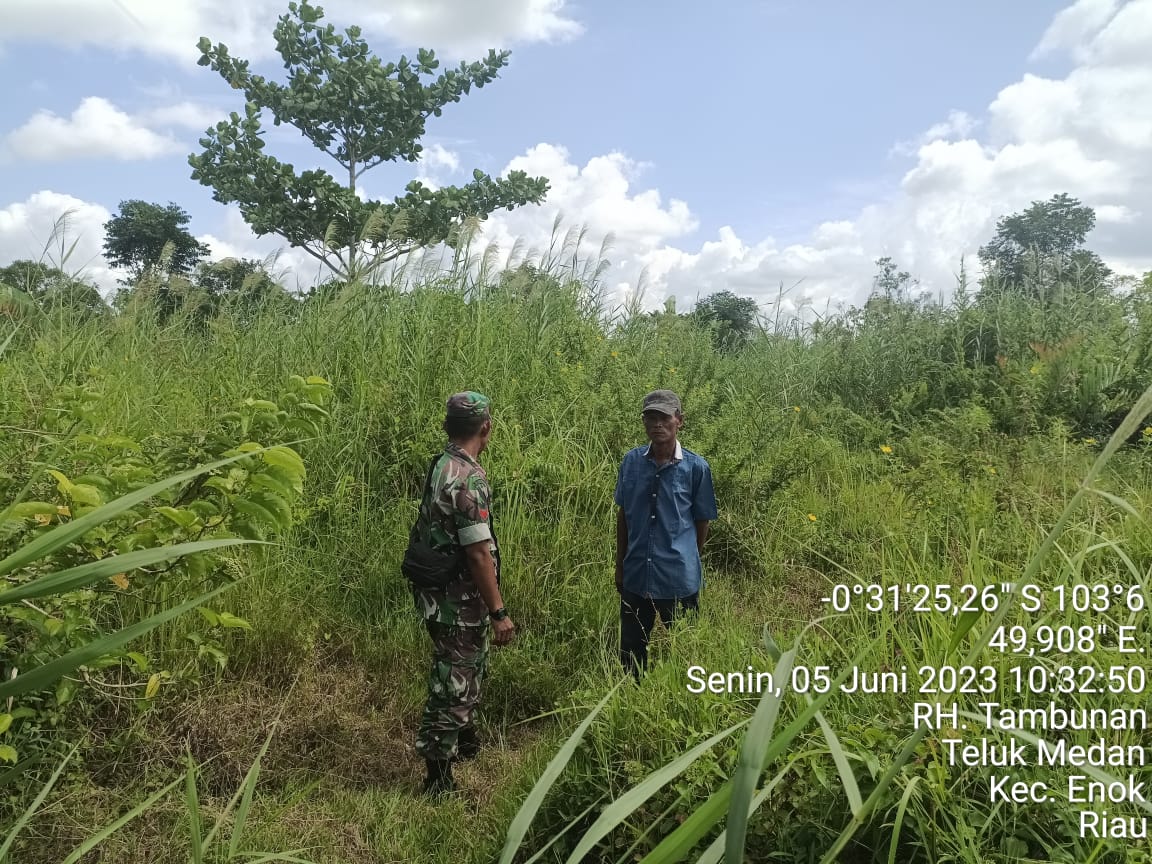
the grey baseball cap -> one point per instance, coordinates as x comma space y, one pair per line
664, 401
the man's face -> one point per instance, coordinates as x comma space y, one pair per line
660, 427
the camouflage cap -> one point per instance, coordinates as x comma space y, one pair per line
469, 404
664, 401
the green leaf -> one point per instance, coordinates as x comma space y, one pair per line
5, 722
83, 493
227, 619
275, 505
208, 615
41, 676
8, 754
256, 511
28, 509
286, 458
87, 574
272, 481
182, 518
62, 535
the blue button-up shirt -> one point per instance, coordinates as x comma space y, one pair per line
662, 505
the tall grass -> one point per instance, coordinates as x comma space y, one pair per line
983, 458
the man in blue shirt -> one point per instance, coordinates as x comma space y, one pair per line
664, 500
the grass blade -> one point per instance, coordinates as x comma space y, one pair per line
64, 534
847, 777
244, 793
899, 822
752, 757
41, 676
1125, 430
10, 839
94, 571
531, 805
192, 803
98, 838
692, 830
626, 804
715, 852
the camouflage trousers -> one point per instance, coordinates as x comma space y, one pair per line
459, 663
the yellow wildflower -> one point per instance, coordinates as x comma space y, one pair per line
991, 470
1089, 440
671, 370
615, 353
120, 580
796, 408
811, 517
885, 449
63, 511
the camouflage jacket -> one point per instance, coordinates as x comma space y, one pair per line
454, 512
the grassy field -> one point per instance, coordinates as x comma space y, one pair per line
898, 444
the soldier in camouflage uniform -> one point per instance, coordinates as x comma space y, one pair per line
454, 515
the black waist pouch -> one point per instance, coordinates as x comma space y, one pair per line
426, 567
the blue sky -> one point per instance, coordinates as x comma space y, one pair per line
800, 140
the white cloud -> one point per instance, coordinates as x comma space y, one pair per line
470, 27
438, 157
1075, 26
296, 269
46, 225
1088, 134
185, 115
171, 29
959, 124
97, 129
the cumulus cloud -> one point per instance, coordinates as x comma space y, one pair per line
295, 268
438, 157
1088, 133
45, 226
97, 129
184, 115
1073, 27
958, 125
171, 29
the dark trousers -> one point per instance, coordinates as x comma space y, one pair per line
637, 618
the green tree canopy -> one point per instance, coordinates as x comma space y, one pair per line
27, 285
732, 319
1034, 249
360, 112
150, 238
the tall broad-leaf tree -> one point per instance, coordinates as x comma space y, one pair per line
147, 238
1041, 245
360, 112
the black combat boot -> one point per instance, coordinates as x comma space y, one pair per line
467, 744
439, 779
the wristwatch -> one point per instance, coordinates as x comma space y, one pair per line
500, 614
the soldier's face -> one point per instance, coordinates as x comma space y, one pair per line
485, 434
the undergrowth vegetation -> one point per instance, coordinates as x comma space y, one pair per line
900, 443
